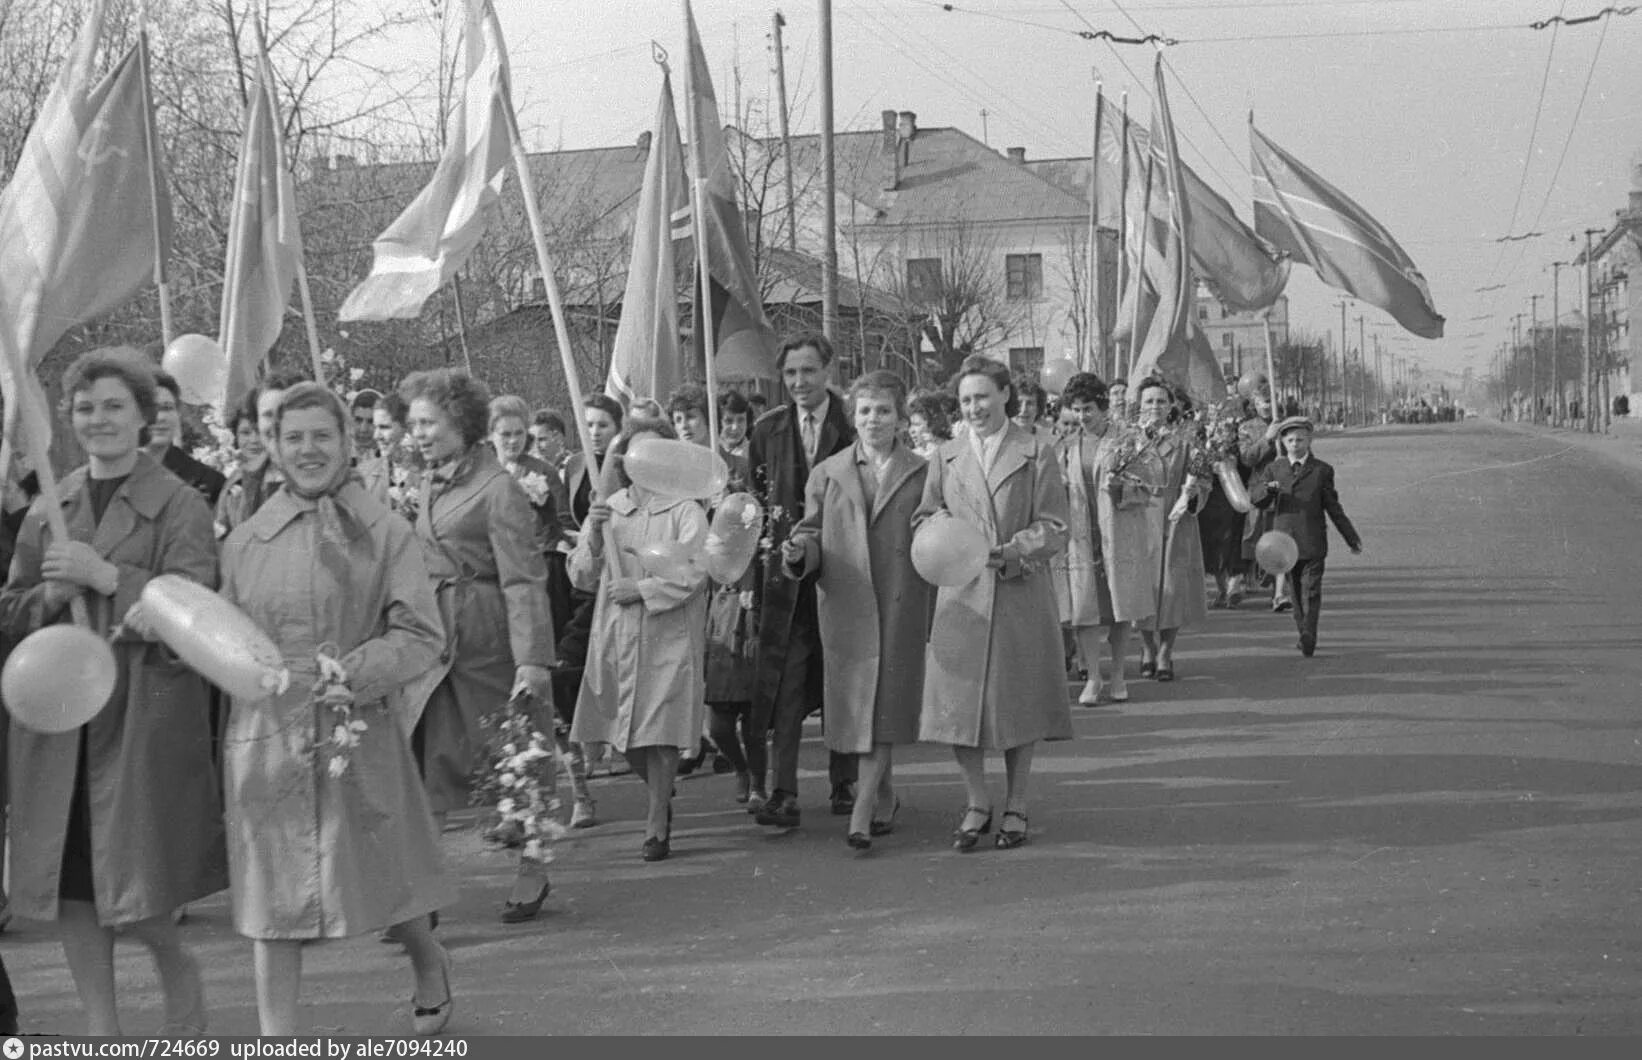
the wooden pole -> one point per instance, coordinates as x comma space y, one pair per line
829, 203
786, 141
1094, 349
1122, 223
1139, 278
698, 226
151, 144
1271, 362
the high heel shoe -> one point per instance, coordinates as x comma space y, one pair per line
518, 912
426, 1021
965, 839
1010, 838
885, 827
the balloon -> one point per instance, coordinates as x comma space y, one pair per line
673, 560
672, 468
58, 678
950, 552
1276, 552
200, 368
1232, 483
1055, 373
1251, 384
732, 540
214, 637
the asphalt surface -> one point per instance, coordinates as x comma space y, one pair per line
1432, 827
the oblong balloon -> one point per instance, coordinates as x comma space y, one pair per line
1276, 552
949, 552
674, 560
200, 368
58, 678
1055, 374
672, 468
1232, 483
215, 638
732, 539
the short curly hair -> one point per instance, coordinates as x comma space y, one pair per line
689, 397
462, 398
114, 362
879, 382
1085, 386
938, 408
998, 372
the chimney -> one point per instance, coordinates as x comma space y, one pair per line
890, 152
906, 127
644, 144
1017, 155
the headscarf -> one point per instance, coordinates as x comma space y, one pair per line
338, 522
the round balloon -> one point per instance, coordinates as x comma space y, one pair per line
1055, 374
58, 678
1276, 552
673, 560
673, 468
200, 368
1251, 383
732, 540
214, 637
949, 552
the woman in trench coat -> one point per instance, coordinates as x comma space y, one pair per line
642, 689
478, 536
1172, 513
856, 534
995, 677
327, 840
116, 824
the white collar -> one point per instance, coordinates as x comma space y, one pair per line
819, 412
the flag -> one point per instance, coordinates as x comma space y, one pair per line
1168, 348
1242, 270
645, 361
84, 221
745, 343
429, 241
1305, 216
264, 240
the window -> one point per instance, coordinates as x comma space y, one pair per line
1202, 312
1226, 340
1027, 360
923, 280
1024, 275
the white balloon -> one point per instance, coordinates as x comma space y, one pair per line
200, 368
215, 638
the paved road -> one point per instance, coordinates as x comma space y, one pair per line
1431, 827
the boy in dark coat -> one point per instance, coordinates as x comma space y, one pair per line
1298, 489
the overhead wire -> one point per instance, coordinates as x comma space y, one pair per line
1533, 133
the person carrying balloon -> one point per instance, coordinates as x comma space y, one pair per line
116, 822
874, 609
642, 691
329, 830
1298, 489
994, 675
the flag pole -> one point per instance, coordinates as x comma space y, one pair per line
1139, 278
1122, 220
698, 229
1096, 349
1271, 371
151, 143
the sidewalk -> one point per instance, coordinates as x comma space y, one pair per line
1622, 443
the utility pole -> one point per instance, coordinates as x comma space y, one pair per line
1379, 377
1362, 368
1557, 404
1590, 389
984, 141
829, 206
1533, 336
1345, 380
1516, 354
786, 139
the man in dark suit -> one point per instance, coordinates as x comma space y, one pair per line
785, 443
1298, 489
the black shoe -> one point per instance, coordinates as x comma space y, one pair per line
857, 841
1308, 646
780, 812
1165, 673
843, 799
518, 912
964, 839
1010, 838
656, 849
885, 827
722, 765
1148, 668
686, 766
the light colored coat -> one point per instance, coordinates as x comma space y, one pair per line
642, 685
996, 675
313, 855
1080, 579
478, 535
1131, 550
873, 606
156, 821
1180, 592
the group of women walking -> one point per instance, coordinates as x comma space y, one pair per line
418, 591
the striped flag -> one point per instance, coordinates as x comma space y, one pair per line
264, 240
84, 221
1307, 217
425, 246
745, 342
645, 359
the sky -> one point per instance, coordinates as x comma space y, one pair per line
1446, 120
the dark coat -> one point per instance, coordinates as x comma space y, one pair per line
775, 456
208, 480
1298, 499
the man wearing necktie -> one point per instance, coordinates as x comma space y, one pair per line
1299, 490
785, 444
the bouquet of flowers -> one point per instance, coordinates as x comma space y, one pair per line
1221, 436
534, 483
1127, 488
331, 690
519, 777
218, 451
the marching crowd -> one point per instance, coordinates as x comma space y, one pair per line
451, 588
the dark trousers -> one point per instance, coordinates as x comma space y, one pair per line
795, 701
730, 725
1306, 588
